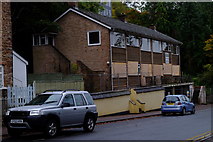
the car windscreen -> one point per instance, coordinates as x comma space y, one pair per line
46, 99
171, 99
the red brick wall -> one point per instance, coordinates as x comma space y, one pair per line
47, 60
6, 43
72, 42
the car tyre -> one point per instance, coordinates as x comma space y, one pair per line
89, 124
14, 133
183, 111
193, 111
51, 128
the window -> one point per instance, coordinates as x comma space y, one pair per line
167, 58
79, 99
69, 99
132, 41
43, 39
89, 99
164, 45
117, 39
1, 76
94, 38
145, 46
156, 45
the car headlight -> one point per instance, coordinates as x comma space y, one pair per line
8, 112
34, 112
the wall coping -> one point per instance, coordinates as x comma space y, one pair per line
117, 93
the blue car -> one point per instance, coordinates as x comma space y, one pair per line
177, 104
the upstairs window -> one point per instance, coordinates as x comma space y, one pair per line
145, 46
117, 39
94, 38
1, 76
156, 45
43, 39
132, 41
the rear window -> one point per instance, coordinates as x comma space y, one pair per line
89, 99
171, 99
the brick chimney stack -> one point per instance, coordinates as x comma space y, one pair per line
153, 27
122, 17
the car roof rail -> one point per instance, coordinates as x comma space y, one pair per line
51, 90
71, 90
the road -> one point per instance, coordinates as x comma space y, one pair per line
172, 127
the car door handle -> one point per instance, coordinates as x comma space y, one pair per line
75, 108
86, 107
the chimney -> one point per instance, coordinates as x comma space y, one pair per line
122, 17
73, 4
153, 27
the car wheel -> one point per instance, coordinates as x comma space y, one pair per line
183, 111
51, 128
89, 124
193, 111
14, 133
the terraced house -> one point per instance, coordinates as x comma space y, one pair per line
110, 53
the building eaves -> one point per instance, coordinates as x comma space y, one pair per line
128, 28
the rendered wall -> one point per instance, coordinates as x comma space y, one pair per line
112, 105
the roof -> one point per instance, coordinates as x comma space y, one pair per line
20, 58
120, 26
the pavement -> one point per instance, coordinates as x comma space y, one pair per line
122, 117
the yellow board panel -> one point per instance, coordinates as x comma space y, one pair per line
132, 68
158, 70
176, 70
146, 69
167, 69
119, 69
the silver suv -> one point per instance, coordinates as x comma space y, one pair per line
51, 111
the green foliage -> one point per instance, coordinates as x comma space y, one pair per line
91, 6
74, 68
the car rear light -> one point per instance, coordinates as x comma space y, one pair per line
163, 103
179, 103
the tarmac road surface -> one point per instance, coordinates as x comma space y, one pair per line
172, 127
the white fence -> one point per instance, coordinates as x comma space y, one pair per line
18, 96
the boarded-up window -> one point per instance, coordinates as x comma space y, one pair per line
146, 69
133, 68
146, 46
167, 69
176, 70
157, 70
119, 69
117, 39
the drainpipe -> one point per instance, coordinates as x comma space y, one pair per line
152, 56
111, 69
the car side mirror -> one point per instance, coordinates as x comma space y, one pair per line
65, 105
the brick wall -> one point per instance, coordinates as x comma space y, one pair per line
6, 43
72, 42
46, 59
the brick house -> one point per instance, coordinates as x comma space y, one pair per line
110, 53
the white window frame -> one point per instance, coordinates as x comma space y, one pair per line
135, 41
158, 48
148, 44
167, 58
2, 77
88, 39
113, 40
46, 39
